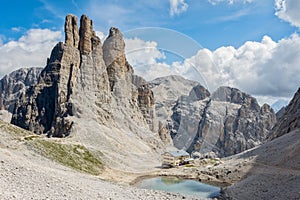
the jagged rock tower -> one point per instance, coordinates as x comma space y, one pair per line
82, 79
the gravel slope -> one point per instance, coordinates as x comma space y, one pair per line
272, 170
27, 175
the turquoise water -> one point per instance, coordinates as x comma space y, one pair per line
182, 186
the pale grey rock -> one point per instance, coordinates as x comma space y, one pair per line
114, 56
188, 118
280, 113
146, 104
198, 93
290, 120
5, 116
46, 106
245, 123
226, 123
138, 81
233, 95
13, 84
71, 31
133, 100
43, 108
272, 170
167, 90
260, 172
88, 39
99, 104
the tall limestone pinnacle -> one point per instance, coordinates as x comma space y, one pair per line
71, 31
82, 77
114, 57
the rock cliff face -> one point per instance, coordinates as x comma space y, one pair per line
289, 120
167, 90
226, 122
89, 91
244, 123
13, 84
80, 71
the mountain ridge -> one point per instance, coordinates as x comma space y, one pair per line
87, 92
226, 122
84, 79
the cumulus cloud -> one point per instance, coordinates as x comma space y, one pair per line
288, 10
145, 57
267, 69
177, 7
31, 50
140, 52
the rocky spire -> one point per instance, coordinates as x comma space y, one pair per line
87, 35
114, 47
80, 72
71, 31
114, 57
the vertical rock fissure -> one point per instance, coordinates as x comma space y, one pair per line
202, 122
69, 84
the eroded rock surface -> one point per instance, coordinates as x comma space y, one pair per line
14, 84
226, 122
289, 119
82, 72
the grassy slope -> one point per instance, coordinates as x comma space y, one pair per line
71, 155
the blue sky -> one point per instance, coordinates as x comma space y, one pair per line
253, 45
211, 25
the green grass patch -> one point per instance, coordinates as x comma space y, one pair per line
14, 130
71, 155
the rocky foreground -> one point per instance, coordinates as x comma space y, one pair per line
88, 92
271, 171
26, 174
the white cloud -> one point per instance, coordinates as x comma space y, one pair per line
177, 7
267, 69
140, 52
31, 50
288, 10
16, 29
144, 56
215, 2
101, 35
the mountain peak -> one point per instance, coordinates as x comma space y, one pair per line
114, 32
81, 72
71, 31
84, 38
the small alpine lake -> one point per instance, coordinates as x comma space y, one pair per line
181, 186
